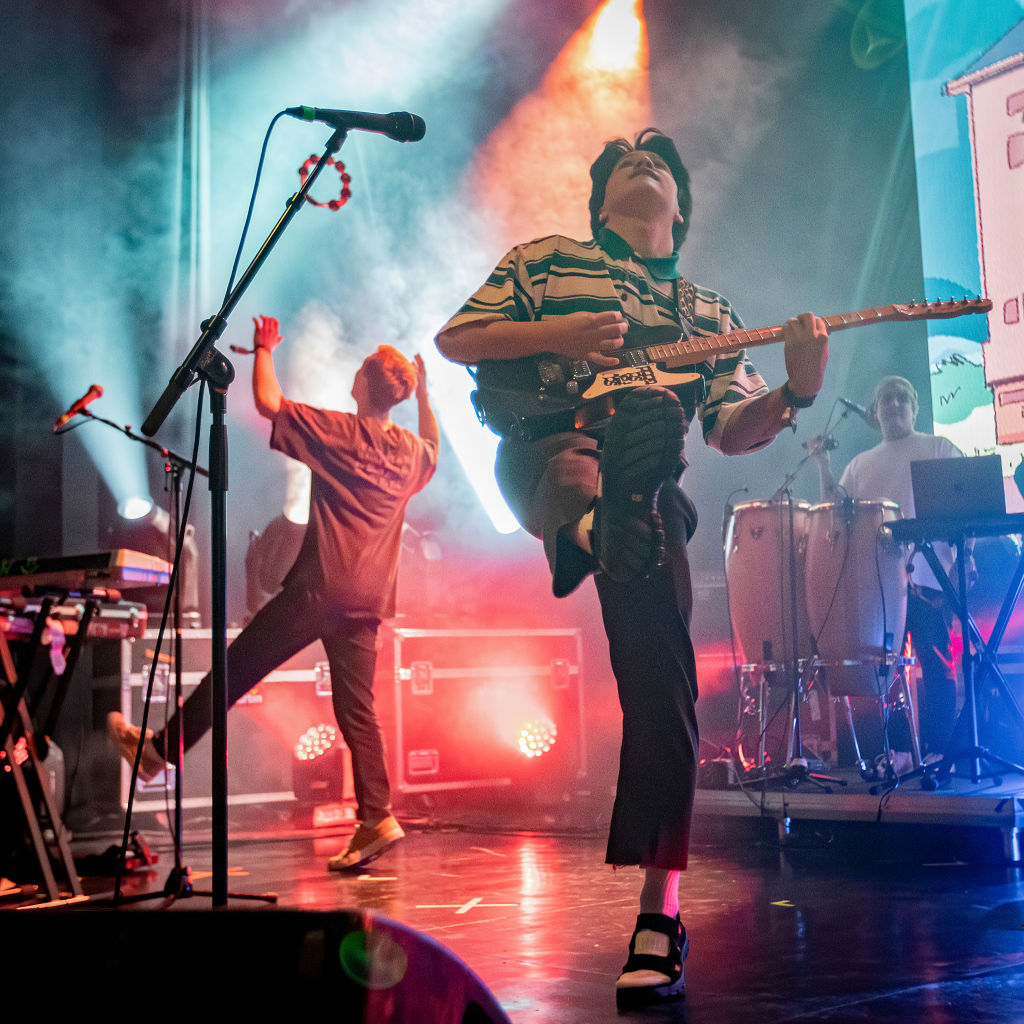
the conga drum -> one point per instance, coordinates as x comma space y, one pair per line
759, 576
856, 592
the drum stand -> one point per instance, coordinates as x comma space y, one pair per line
755, 715
755, 708
894, 668
797, 769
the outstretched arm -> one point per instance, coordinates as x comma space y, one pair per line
428, 428
266, 389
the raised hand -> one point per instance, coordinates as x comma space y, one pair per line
267, 333
421, 376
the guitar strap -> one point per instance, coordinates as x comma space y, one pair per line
686, 305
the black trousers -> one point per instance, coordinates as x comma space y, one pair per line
552, 483
930, 624
287, 624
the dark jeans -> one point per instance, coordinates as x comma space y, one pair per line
656, 675
930, 624
287, 624
552, 483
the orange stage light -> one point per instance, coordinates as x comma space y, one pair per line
530, 177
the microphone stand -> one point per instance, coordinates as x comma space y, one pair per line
207, 362
796, 769
179, 882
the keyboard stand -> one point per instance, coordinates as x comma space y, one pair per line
974, 665
46, 832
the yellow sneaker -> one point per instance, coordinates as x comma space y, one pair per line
368, 843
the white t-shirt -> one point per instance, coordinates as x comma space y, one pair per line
883, 472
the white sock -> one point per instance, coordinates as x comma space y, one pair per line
579, 532
660, 893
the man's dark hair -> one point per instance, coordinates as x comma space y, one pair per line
653, 141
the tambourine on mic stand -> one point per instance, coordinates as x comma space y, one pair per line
206, 362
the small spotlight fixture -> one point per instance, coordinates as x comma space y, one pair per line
537, 738
137, 507
318, 768
316, 741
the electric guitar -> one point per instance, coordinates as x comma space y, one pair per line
535, 396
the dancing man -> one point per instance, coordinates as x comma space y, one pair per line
343, 583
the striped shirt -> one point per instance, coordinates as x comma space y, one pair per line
556, 275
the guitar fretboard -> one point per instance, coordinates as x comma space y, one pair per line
717, 344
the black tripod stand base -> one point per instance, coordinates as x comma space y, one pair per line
798, 773
937, 775
179, 886
795, 774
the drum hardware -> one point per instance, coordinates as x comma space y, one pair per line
822, 561
770, 542
757, 680
894, 667
755, 716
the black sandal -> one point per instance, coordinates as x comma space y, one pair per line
665, 979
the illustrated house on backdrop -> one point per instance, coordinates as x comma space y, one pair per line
994, 87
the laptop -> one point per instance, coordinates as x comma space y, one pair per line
960, 489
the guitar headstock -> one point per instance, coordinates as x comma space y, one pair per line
939, 310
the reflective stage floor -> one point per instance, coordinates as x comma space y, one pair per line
818, 915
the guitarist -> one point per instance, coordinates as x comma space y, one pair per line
606, 500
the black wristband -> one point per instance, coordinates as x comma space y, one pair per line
796, 401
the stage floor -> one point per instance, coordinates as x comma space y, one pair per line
801, 904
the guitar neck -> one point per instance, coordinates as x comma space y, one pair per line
698, 347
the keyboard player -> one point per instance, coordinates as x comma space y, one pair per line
883, 473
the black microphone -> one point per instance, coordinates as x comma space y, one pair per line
399, 125
76, 407
863, 413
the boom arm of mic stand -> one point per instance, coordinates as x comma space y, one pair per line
790, 477
174, 457
198, 360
